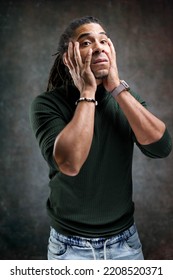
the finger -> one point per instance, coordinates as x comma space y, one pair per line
78, 59
110, 44
66, 60
88, 58
67, 63
77, 54
70, 54
111, 54
111, 47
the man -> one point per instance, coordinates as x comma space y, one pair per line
86, 125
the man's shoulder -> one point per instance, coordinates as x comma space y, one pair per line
57, 100
53, 94
50, 97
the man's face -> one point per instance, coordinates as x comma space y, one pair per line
93, 36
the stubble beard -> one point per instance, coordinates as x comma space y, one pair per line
101, 76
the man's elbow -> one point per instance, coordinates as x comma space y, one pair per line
67, 168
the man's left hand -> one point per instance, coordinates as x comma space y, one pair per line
112, 80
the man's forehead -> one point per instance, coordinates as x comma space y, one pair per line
82, 35
88, 29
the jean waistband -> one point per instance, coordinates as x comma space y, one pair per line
95, 242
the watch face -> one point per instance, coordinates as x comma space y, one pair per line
125, 84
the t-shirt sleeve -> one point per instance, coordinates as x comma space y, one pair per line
158, 149
47, 121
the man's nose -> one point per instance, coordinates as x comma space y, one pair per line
97, 48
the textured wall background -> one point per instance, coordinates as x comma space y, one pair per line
142, 33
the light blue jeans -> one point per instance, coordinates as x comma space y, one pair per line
124, 246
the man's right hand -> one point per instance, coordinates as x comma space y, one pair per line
80, 71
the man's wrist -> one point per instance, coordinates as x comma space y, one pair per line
88, 93
114, 85
85, 99
123, 86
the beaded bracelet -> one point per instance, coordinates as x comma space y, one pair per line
87, 100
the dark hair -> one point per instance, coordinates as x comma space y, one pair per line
59, 74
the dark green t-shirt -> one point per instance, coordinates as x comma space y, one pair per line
98, 201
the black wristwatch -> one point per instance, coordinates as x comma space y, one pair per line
123, 86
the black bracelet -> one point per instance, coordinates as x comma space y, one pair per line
87, 100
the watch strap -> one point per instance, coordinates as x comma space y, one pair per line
122, 87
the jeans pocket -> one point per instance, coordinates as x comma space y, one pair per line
56, 248
133, 242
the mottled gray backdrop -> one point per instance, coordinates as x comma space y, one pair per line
142, 32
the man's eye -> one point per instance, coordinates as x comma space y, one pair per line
104, 41
85, 43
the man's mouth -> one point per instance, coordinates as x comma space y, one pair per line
100, 60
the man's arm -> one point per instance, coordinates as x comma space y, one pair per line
146, 127
72, 145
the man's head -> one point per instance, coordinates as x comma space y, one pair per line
88, 31
93, 36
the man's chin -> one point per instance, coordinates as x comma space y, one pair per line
100, 76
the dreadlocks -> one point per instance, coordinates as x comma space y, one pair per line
59, 74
